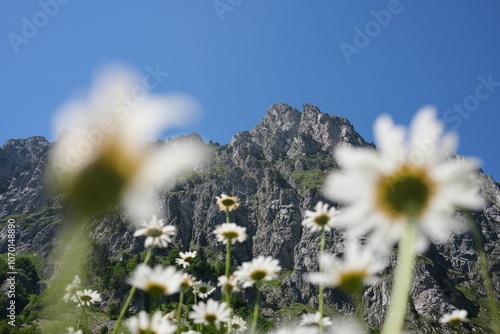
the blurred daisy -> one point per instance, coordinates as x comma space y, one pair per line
236, 325
211, 313
203, 290
72, 288
226, 284
86, 297
230, 232
156, 281
185, 258
187, 282
156, 232
71, 330
227, 203
100, 158
409, 180
314, 319
191, 332
142, 323
455, 317
258, 270
321, 218
359, 267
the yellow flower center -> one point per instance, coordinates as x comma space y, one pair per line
147, 331
322, 220
154, 232
455, 321
227, 202
406, 193
101, 183
155, 289
229, 235
351, 281
210, 317
258, 275
85, 298
203, 289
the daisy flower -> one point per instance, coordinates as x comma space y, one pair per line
142, 323
359, 267
211, 313
258, 270
203, 289
185, 258
321, 218
227, 203
86, 297
236, 325
314, 319
72, 288
71, 330
409, 180
187, 282
230, 232
455, 317
156, 281
101, 159
228, 284
156, 232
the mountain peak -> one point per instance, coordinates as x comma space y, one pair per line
284, 132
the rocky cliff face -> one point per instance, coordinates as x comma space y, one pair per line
277, 170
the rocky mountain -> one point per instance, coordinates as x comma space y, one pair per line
277, 170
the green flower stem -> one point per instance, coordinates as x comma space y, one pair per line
358, 304
228, 263
198, 326
402, 282
256, 310
179, 311
86, 320
492, 303
84, 317
321, 287
129, 298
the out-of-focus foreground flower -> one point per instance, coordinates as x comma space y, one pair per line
143, 323
359, 267
101, 158
409, 180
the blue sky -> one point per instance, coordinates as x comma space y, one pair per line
237, 57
